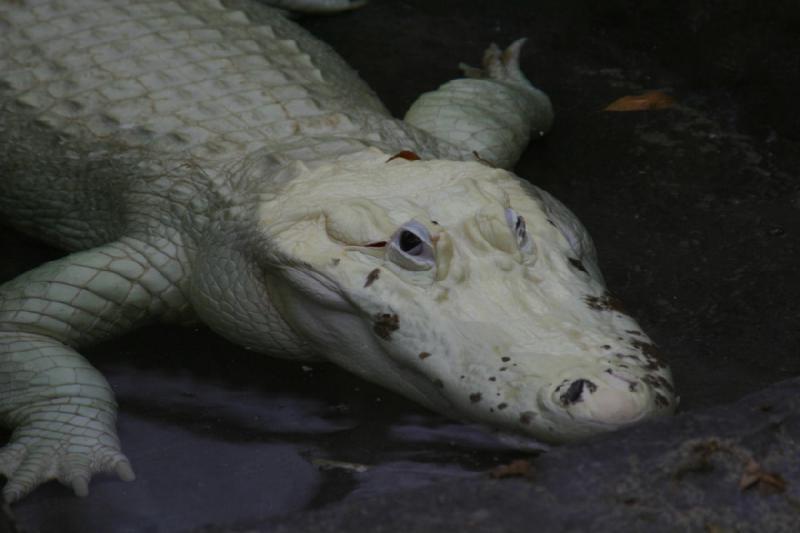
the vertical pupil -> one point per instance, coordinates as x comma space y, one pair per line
408, 241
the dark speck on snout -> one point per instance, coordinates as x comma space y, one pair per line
651, 353
371, 277
573, 393
385, 324
475, 397
606, 302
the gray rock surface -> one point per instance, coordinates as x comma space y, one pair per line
727, 468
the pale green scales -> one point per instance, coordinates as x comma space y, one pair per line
217, 163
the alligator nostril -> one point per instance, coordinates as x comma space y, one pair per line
575, 390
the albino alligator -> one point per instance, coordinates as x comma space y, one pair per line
215, 163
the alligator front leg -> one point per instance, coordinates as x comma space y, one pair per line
492, 112
62, 409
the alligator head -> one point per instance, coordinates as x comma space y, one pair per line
457, 285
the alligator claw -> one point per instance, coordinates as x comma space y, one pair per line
501, 65
38, 454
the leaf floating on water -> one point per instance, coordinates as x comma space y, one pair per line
648, 101
516, 468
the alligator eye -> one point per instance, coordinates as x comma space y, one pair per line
517, 224
411, 247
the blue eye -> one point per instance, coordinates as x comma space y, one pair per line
411, 247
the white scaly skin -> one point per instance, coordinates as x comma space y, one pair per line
215, 162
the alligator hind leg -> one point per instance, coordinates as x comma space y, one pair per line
492, 112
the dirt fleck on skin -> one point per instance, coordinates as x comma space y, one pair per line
666, 384
424, 355
475, 397
652, 381
372, 276
606, 302
650, 351
385, 324
526, 417
479, 159
651, 365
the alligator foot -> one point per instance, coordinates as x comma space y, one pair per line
67, 447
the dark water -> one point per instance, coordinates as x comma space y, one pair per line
228, 437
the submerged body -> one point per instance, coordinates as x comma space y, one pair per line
212, 162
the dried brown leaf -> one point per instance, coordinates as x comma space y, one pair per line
408, 155
771, 482
751, 475
647, 101
516, 468
754, 475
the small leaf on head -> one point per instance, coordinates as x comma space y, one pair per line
408, 155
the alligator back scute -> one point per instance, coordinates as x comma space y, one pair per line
94, 102
210, 81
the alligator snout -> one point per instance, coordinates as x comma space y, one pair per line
612, 398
